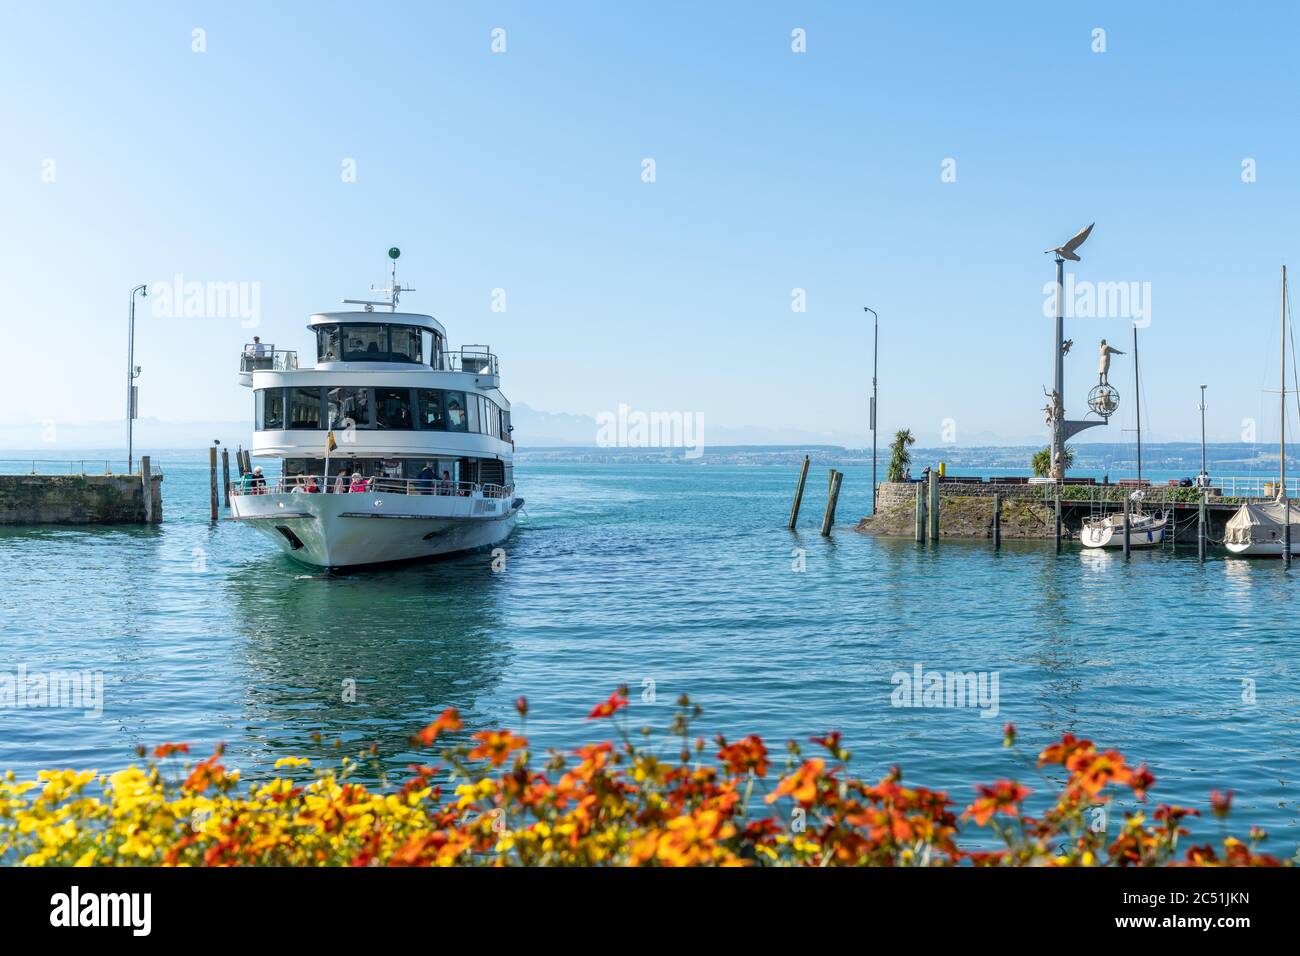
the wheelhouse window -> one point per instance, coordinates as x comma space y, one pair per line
393, 408
328, 344
433, 417
272, 408
349, 406
404, 344
457, 416
365, 343
303, 408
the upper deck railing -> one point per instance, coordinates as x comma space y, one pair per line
471, 358
258, 356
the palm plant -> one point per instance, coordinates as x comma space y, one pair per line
899, 456
1042, 461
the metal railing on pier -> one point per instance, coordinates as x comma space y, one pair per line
1226, 489
74, 466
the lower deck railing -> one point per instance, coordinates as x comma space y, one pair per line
342, 484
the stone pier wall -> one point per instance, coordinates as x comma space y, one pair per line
965, 511
76, 499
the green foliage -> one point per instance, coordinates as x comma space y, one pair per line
899, 456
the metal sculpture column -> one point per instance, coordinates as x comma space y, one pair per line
1103, 400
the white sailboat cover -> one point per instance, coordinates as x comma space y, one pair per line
1256, 523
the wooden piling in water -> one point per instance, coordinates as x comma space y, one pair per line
1128, 537
798, 494
212, 480
934, 504
997, 520
828, 519
146, 483
225, 474
920, 513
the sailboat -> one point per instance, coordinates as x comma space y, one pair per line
1145, 530
1268, 530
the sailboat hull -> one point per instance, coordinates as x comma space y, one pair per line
1109, 533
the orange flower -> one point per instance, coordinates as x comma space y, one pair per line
1008, 734
497, 746
1220, 803
1060, 753
617, 701
1003, 797
166, 750
449, 720
802, 784
744, 755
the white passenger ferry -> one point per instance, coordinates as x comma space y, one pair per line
393, 447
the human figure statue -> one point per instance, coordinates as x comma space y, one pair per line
1106, 352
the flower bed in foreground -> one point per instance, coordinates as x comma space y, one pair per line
610, 803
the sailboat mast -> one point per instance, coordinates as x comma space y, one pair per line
1137, 395
1282, 453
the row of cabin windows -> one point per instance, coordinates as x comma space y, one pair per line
375, 342
427, 409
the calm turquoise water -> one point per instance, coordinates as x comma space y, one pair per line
677, 575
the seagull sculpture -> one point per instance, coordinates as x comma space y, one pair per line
1067, 251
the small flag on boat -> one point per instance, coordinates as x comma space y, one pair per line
329, 443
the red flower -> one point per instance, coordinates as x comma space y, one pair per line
166, 750
1008, 734
1220, 803
617, 701
448, 720
521, 705
1003, 797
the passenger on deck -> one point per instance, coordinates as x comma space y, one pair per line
341, 483
258, 483
310, 486
444, 486
359, 483
425, 478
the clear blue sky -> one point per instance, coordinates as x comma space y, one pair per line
775, 171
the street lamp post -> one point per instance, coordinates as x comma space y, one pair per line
875, 348
1204, 474
132, 373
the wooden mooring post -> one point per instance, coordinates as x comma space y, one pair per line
212, 480
146, 483
934, 504
1128, 535
920, 512
997, 520
225, 474
798, 494
828, 519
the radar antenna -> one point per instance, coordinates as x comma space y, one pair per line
393, 291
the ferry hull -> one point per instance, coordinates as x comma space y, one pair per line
353, 530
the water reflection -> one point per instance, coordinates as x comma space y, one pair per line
363, 658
